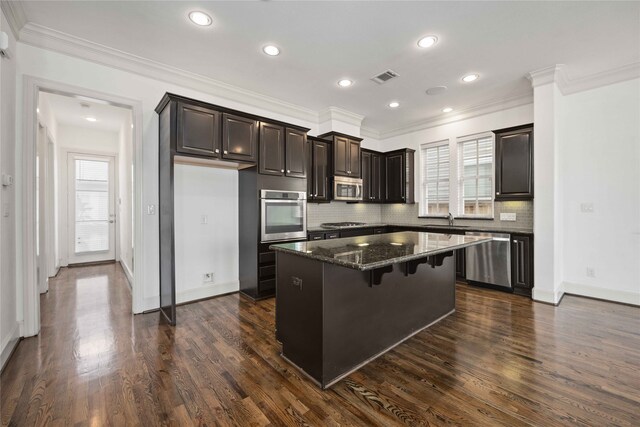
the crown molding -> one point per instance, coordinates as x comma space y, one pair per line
366, 132
14, 12
468, 113
341, 115
46, 38
604, 78
543, 76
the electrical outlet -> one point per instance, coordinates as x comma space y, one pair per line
591, 272
507, 216
208, 277
204, 219
586, 207
151, 209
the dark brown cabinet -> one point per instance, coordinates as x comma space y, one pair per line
198, 130
514, 163
282, 151
522, 263
372, 176
318, 179
295, 149
346, 154
239, 138
399, 180
271, 159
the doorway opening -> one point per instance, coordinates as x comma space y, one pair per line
84, 183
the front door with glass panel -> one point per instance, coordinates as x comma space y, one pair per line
91, 224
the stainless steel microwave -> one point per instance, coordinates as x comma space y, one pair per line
283, 215
347, 189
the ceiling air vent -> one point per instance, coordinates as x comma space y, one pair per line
384, 77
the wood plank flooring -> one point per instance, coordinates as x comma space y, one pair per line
500, 360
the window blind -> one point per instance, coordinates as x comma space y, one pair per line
435, 167
475, 172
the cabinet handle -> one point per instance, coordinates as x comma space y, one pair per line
288, 171
515, 241
282, 170
226, 152
497, 193
217, 150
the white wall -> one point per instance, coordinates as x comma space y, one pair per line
599, 142
211, 247
49, 65
9, 327
73, 139
450, 131
125, 193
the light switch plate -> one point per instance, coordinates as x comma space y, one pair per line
151, 209
506, 216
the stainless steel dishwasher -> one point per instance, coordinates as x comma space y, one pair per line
490, 262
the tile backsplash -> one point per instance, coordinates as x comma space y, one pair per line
408, 214
317, 213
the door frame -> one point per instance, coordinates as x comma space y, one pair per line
32, 86
67, 202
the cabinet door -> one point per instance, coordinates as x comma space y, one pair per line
514, 164
239, 138
320, 172
521, 261
366, 177
341, 160
377, 177
271, 160
198, 130
354, 159
395, 178
296, 153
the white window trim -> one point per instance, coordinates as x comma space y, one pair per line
454, 162
422, 204
456, 204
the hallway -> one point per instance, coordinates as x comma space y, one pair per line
500, 359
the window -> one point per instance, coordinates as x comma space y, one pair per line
434, 158
475, 176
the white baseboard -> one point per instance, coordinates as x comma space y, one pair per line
152, 303
8, 344
127, 272
614, 295
542, 295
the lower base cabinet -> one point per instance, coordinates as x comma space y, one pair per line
461, 269
522, 263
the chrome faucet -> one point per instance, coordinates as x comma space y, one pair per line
450, 218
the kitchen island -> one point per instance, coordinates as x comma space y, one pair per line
341, 303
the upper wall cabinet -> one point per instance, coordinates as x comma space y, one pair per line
295, 148
373, 176
283, 151
346, 154
400, 179
271, 160
514, 163
198, 130
318, 179
239, 138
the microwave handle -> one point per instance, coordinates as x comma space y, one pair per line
359, 191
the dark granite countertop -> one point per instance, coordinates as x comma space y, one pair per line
380, 250
461, 228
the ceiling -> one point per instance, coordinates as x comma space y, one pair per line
322, 42
69, 111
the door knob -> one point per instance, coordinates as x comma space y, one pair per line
111, 221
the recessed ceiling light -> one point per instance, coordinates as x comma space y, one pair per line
345, 83
447, 110
427, 41
200, 18
394, 104
271, 50
91, 119
470, 78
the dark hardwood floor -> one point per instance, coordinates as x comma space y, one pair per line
499, 360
